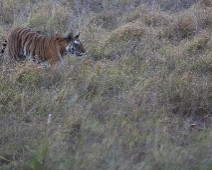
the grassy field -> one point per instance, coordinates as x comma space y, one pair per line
141, 98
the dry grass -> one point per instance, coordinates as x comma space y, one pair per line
139, 99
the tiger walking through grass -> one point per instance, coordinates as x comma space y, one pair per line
24, 43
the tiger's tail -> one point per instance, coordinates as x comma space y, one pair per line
4, 45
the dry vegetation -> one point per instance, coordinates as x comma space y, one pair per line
141, 98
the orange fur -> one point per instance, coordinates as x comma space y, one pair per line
25, 43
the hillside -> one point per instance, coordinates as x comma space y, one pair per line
141, 97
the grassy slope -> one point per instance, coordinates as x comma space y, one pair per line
140, 98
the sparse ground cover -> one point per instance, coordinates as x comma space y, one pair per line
141, 98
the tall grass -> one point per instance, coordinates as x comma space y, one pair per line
139, 99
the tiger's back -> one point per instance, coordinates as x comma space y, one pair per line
24, 43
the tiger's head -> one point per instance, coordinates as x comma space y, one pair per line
75, 46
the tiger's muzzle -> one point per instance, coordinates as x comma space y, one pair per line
74, 50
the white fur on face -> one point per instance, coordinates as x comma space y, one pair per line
67, 48
76, 42
72, 49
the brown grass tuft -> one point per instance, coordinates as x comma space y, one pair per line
133, 30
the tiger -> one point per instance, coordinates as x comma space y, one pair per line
25, 43
3, 47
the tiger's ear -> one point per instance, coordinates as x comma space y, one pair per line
77, 36
70, 36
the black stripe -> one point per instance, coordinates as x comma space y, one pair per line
12, 44
35, 45
43, 58
3, 46
28, 43
17, 46
22, 31
26, 39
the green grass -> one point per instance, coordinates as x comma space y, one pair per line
139, 99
